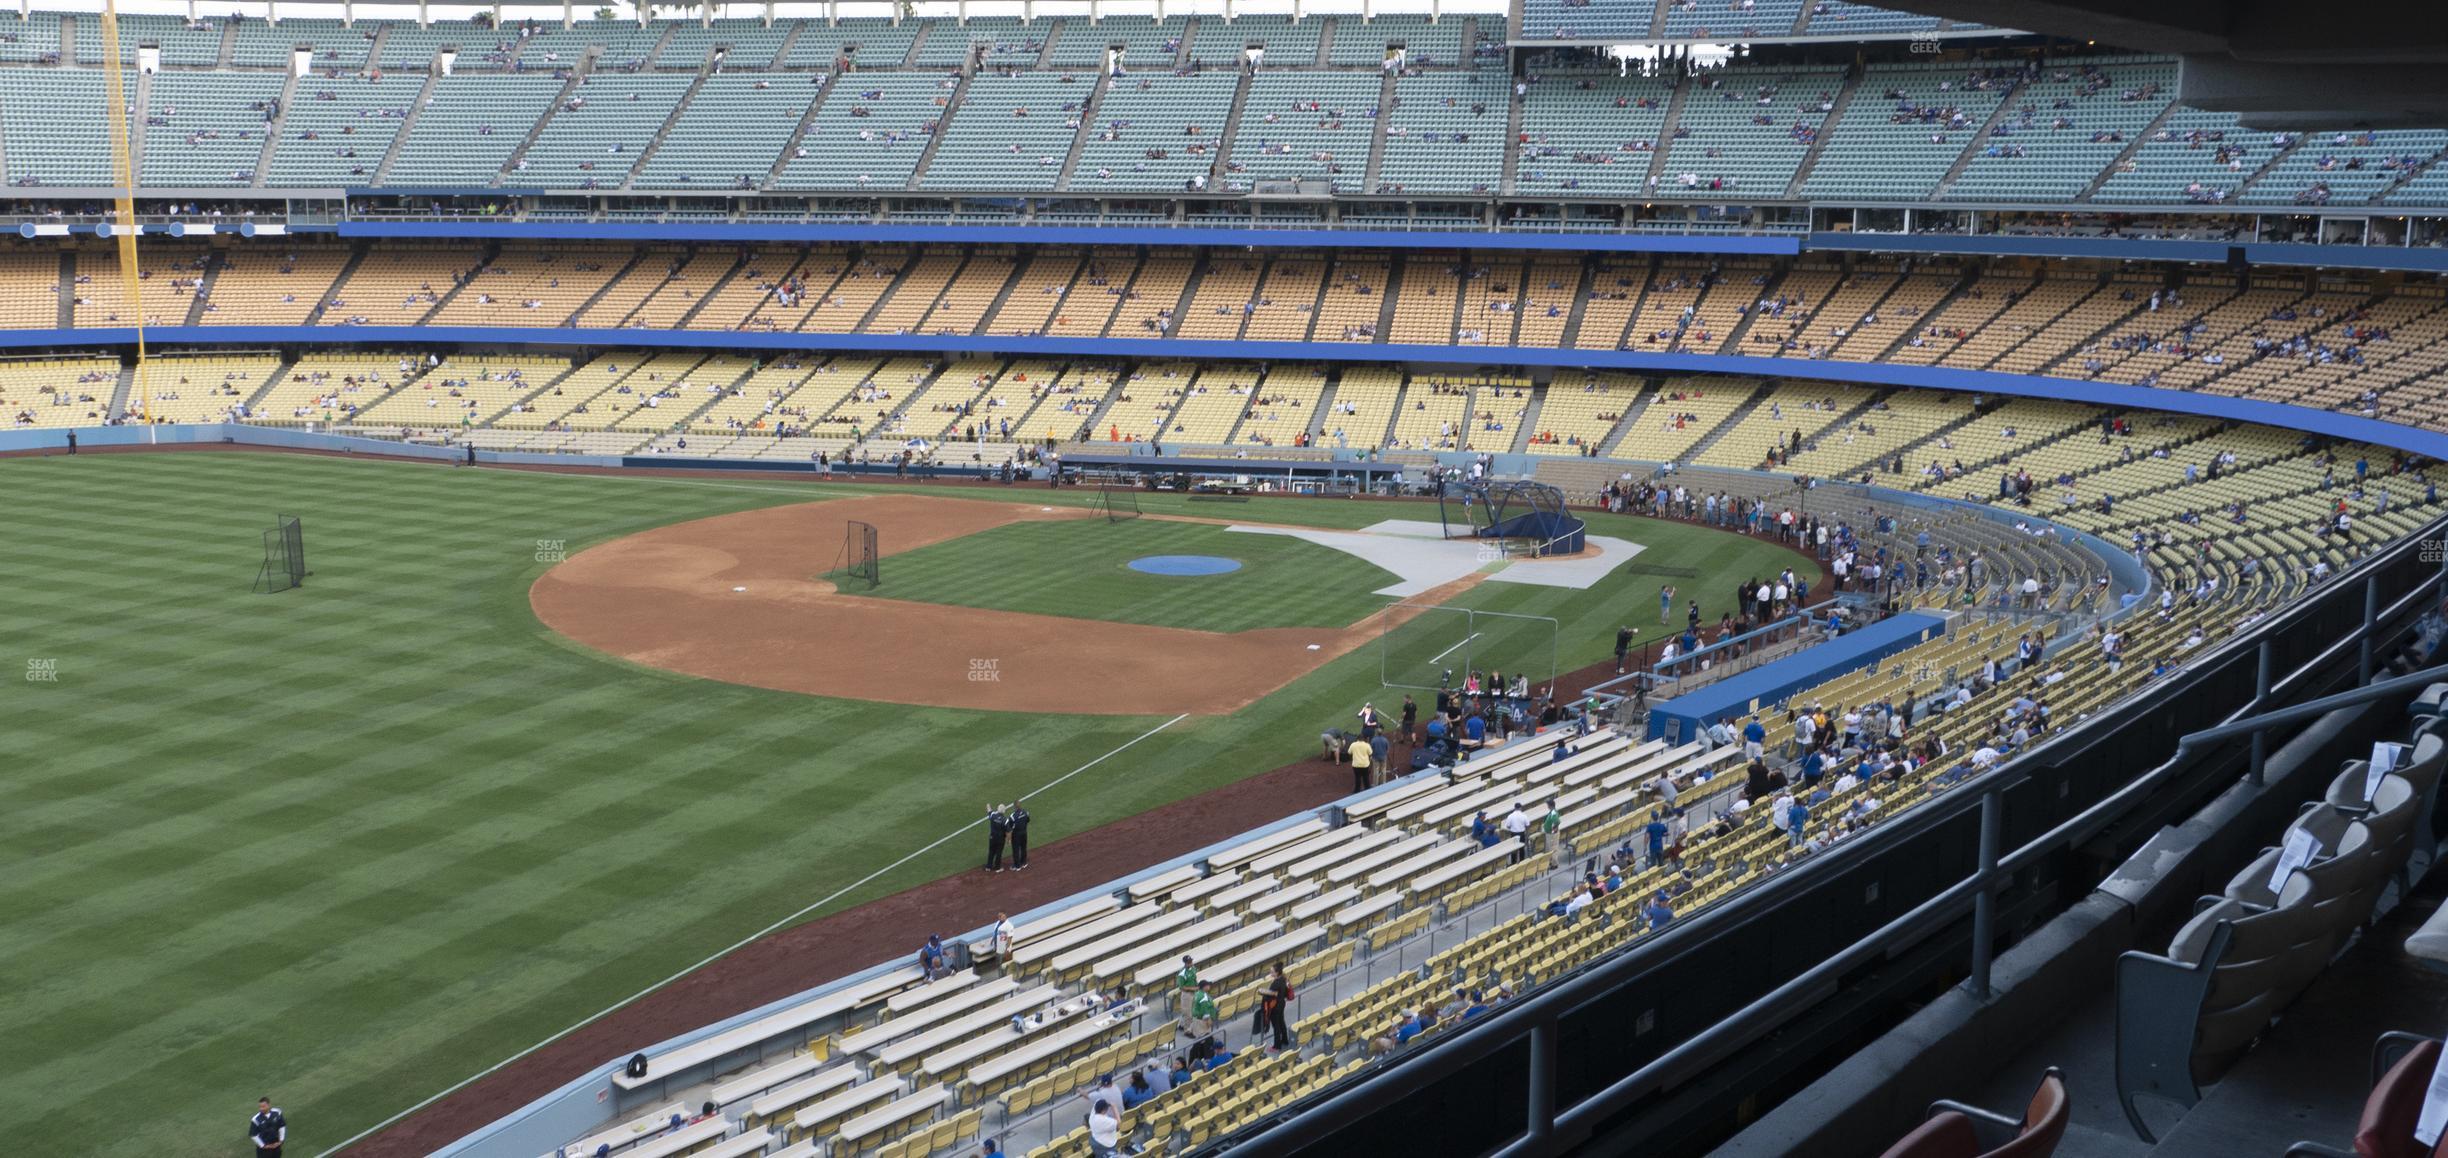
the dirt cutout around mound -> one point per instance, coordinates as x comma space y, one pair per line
736, 598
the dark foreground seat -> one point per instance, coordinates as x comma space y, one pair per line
2401, 1072
1955, 1130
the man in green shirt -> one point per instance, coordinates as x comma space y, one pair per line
1548, 827
1202, 1014
1185, 983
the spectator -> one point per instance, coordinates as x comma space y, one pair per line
1138, 1091
1657, 912
1104, 1130
1362, 753
1517, 826
1274, 1009
931, 957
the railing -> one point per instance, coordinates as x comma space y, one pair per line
1525, 1036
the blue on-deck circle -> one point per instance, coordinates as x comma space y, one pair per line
1185, 564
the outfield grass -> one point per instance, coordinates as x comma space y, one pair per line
1079, 569
350, 844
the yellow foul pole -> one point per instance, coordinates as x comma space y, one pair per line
123, 175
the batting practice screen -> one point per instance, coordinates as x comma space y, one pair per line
1429, 646
284, 558
859, 553
1117, 503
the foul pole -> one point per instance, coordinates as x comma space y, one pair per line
123, 177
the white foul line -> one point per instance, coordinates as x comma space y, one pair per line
734, 946
1449, 651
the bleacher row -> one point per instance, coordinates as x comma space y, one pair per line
1748, 20
2097, 129
2372, 345
1378, 919
512, 45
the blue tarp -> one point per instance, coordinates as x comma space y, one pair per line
1685, 716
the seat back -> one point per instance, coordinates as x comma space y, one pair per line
2394, 1105
2044, 1121
1945, 1135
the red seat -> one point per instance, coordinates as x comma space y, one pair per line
1952, 1132
2395, 1103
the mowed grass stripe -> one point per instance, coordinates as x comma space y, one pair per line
351, 843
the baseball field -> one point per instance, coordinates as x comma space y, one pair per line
349, 844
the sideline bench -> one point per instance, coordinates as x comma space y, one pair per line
1152, 972
1519, 755
1160, 928
1249, 850
1159, 956
1375, 807
1196, 891
632, 1130
1360, 913
744, 1146
897, 1055
1352, 870
860, 1041
956, 1057
814, 1121
1323, 903
758, 1081
1373, 840
679, 1141
1259, 956
930, 991
987, 1074
1428, 883
1047, 926
782, 1101
773, 1025
1301, 850
856, 1131
1232, 899
1162, 883
1036, 952
1420, 862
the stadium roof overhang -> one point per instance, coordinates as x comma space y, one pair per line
2281, 65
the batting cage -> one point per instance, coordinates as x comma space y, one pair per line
1518, 517
1426, 646
1117, 503
858, 554
284, 556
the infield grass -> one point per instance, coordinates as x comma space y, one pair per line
1080, 568
350, 844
